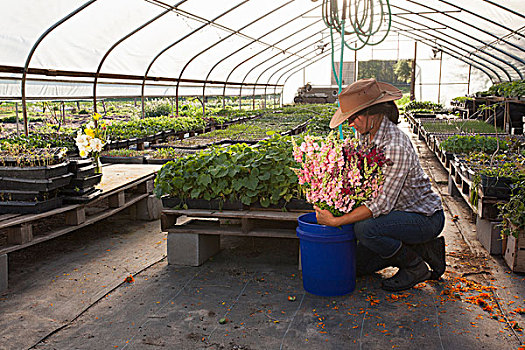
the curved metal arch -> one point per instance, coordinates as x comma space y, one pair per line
312, 62
32, 52
277, 54
481, 41
250, 43
505, 8
471, 37
267, 48
461, 41
457, 47
448, 51
177, 42
486, 19
99, 68
284, 59
220, 41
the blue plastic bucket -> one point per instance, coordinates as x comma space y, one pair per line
327, 257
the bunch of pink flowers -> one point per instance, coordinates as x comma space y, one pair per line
338, 175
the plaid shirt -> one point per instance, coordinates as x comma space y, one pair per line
407, 187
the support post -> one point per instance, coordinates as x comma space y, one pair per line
3, 272
468, 82
355, 63
76, 216
413, 75
439, 80
17, 121
117, 200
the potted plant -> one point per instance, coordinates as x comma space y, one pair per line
234, 177
31, 178
162, 155
91, 139
122, 156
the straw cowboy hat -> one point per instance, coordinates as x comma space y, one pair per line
360, 95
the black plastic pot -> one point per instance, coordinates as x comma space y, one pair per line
86, 182
158, 161
81, 196
26, 196
214, 204
293, 204
30, 207
42, 185
37, 172
76, 163
498, 187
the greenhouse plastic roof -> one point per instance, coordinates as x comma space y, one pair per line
104, 48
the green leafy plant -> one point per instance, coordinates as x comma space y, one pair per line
460, 126
513, 211
427, 105
23, 156
239, 172
165, 153
472, 143
123, 152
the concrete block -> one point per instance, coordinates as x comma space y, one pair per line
3, 272
149, 208
191, 249
452, 189
489, 235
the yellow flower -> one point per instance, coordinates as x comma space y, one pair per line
82, 153
97, 116
89, 132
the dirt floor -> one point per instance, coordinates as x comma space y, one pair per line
70, 293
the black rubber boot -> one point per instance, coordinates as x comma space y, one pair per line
412, 270
368, 262
433, 252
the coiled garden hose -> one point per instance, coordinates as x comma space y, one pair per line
365, 23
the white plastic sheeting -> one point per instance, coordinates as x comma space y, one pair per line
257, 41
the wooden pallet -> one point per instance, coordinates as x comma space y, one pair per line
123, 186
459, 184
198, 238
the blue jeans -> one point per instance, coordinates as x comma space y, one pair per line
385, 234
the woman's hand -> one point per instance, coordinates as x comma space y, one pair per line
324, 217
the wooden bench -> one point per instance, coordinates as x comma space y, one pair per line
123, 185
196, 239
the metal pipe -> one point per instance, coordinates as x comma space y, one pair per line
460, 57
459, 47
484, 18
175, 43
481, 41
225, 38
298, 70
475, 48
277, 54
288, 48
99, 68
31, 53
250, 43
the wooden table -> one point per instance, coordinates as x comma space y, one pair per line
123, 185
195, 240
